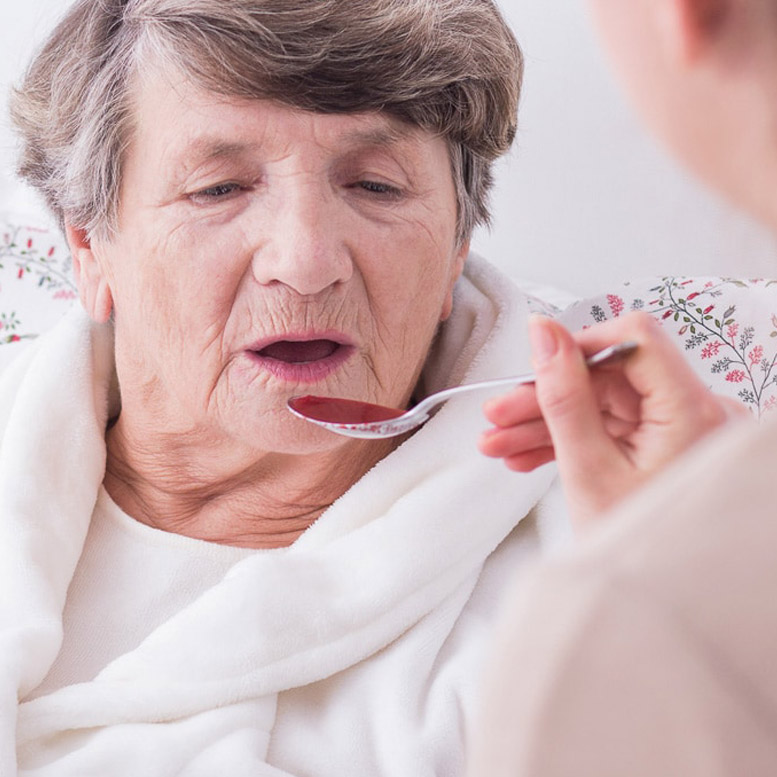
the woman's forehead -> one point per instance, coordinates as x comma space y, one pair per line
190, 125
209, 144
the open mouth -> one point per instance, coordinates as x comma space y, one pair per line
303, 360
300, 352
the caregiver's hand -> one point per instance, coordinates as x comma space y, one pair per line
609, 429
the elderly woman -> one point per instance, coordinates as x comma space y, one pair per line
263, 198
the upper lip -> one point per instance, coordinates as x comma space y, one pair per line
296, 337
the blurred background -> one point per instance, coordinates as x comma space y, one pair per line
585, 199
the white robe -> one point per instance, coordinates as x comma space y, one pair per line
355, 651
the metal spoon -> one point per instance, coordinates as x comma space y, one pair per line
352, 418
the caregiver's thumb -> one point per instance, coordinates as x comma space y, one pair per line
564, 391
583, 448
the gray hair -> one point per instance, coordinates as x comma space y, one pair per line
451, 67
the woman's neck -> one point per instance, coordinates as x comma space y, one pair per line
266, 501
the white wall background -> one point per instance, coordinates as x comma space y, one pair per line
585, 198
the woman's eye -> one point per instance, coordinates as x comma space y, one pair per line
381, 189
215, 193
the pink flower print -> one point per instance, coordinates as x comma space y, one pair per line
667, 314
616, 304
692, 295
51, 250
29, 242
14, 339
732, 331
756, 355
735, 376
708, 309
20, 274
770, 403
774, 321
708, 285
65, 294
711, 349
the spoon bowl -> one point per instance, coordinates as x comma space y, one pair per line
353, 418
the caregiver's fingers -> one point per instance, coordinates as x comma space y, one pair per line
530, 460
513, 443
504, 442
516, 407
676, 407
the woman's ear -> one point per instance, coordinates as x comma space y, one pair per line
93, 287
689, 27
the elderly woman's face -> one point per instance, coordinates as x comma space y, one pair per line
264, 252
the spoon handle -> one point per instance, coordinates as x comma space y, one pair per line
606, 355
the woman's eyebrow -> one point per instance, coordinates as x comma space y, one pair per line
206, 149
379, 137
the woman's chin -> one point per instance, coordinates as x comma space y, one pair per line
281, 432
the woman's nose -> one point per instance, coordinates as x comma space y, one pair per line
307, 248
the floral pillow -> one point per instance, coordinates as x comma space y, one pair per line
36, 284
727, 328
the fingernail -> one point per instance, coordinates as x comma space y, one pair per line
542, 339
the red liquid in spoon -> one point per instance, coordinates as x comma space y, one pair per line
342, 411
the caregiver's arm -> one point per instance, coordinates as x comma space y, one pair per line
609, 429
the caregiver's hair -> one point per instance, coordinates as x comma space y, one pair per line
449, 66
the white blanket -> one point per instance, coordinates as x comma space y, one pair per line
199, 696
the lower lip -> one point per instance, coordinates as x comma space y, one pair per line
303, 372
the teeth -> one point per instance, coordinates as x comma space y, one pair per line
297, 352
